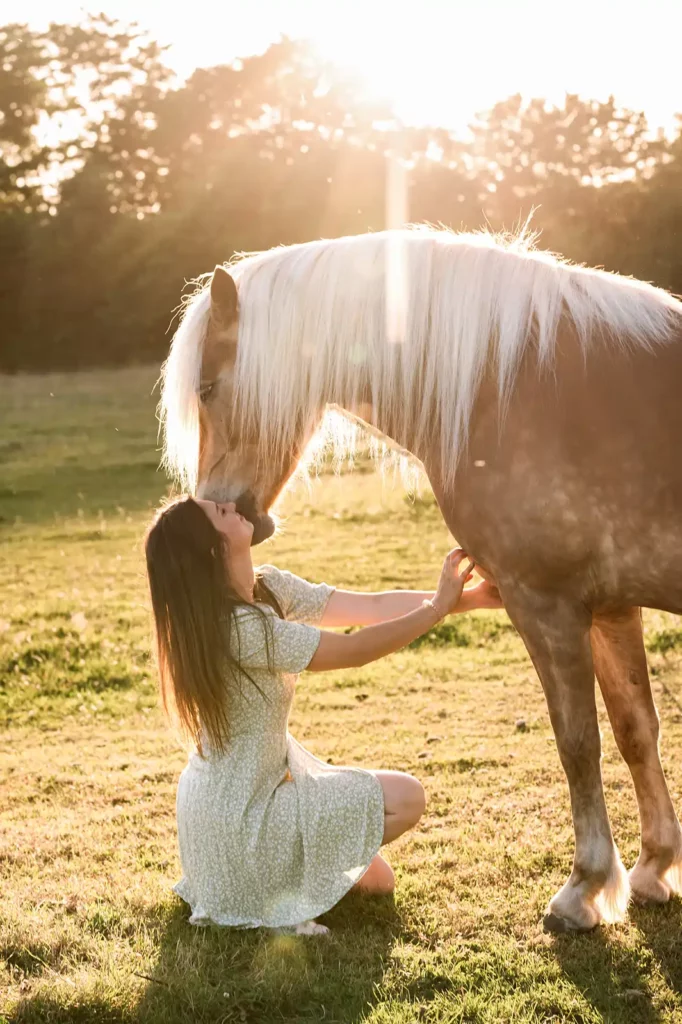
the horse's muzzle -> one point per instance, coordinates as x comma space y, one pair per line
263, 524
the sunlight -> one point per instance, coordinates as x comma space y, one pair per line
443, 63
408, 76
454, 60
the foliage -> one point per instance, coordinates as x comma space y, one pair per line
119, 184
664, 641
23, 93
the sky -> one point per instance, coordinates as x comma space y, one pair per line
438, 61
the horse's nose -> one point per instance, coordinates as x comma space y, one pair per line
246, 505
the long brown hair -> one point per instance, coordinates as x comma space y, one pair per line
194, 602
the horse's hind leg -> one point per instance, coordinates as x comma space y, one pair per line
620, 664
557, 635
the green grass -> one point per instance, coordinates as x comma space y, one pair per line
89, 929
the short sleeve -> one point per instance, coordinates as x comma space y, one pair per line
292, 644
299, 600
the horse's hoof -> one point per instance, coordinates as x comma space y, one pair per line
559, 925
654, 894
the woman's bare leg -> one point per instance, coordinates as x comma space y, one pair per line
378, 879
404, 802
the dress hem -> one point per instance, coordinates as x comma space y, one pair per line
205, 919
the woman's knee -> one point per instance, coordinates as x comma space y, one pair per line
404, 796
414, 799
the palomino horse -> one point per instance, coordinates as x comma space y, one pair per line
543, 400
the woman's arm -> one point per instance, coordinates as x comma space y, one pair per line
352, 650
349, 608
356, 649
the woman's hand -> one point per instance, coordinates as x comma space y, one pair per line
484, 595
451, 583
353, 650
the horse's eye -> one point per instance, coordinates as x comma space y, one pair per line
205, 391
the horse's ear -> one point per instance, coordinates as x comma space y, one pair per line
223, 297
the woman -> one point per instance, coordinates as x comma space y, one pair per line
269, 835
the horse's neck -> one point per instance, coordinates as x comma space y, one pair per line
389, 422
381, 408
365, 418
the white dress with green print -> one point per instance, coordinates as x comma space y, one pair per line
269, 834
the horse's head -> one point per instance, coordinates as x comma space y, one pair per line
232, 463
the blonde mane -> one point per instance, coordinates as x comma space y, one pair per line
408, 320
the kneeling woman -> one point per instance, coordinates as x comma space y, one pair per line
270, 835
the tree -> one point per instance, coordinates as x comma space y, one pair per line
126, 76
150, 182
528, 151
23, 96
77, 95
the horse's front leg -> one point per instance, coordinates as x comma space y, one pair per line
620, 663
557, 635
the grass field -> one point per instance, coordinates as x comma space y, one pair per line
89, 929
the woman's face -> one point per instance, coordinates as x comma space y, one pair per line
229, 522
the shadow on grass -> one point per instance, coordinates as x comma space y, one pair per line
616, 978
255, 976
662, 929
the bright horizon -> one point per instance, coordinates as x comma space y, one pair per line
441, 65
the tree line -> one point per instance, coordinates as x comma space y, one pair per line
119, 184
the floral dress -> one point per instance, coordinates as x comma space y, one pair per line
269, 834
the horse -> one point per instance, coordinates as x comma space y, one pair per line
542, 399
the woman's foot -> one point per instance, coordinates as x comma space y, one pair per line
311, 928
304, 928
